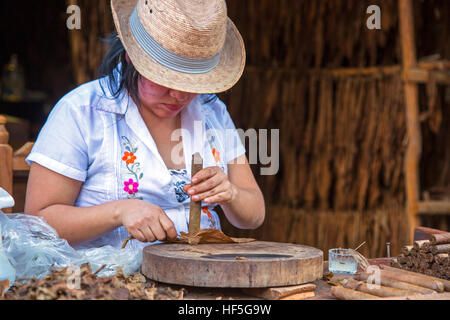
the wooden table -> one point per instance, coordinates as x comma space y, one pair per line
322, 288
322, 291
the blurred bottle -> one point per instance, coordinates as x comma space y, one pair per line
13, 81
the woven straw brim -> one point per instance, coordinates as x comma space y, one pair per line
221, 78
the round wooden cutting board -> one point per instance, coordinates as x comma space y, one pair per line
246, 265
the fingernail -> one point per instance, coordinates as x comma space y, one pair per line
192, 191
196, 198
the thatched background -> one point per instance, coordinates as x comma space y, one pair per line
342, 132
342, 135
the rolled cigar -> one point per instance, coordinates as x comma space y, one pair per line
424, 265
435, 267
429, 272
428, 257
418, 279
376, 290
418, 244
440, 248
435, 296
426, 247
440, 238
402, 259
441, 258
395, 263
410, 261
393, 283
349, 294
406, 250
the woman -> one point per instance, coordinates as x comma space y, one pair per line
114, 158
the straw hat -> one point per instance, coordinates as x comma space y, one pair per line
186, 45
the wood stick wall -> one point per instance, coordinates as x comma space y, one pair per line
343, 135
342, 144
326, 229
86, 44
341, 140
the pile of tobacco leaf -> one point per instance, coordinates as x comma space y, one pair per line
61, 285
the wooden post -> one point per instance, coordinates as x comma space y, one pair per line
6, 158
414, 149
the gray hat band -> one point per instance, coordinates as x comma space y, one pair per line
165, 57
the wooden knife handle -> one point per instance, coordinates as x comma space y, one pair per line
196, 206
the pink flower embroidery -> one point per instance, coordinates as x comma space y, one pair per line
131, 187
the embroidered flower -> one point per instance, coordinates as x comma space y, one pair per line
129, 157
131, 187
212, 143
181, 195
211, 222
216, 155
206, 211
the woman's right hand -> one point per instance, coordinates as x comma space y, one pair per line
146, 222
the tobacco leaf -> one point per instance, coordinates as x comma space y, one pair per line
337, 283
203, 236
208, 236
57, 286
4, 285
328, 276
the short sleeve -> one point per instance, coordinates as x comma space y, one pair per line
234, 148
61, 145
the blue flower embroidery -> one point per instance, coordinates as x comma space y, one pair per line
179, 180
179, 192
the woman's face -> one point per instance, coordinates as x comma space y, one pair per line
162, 101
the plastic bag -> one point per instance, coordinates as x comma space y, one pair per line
34, 249
7, 272
6, 201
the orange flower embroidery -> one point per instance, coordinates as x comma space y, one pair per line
129, 157
216, 155
206, 211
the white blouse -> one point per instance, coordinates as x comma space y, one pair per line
104, 143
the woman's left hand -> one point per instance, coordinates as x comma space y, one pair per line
211, 185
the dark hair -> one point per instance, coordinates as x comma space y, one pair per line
119, 74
